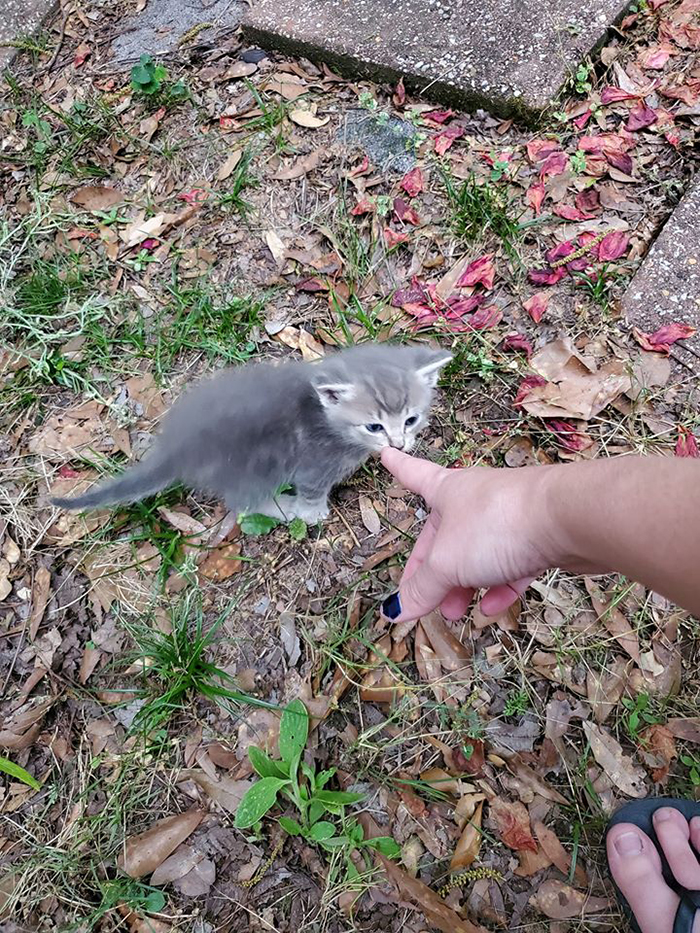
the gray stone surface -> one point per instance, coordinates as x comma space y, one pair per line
389, 143
666, 289
19, 17
505, 55
158, 28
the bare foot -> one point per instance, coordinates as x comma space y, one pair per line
636, 867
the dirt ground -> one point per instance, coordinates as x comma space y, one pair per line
226, 206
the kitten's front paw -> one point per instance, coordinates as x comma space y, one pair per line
311, 512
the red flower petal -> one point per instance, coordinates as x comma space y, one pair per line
641, 117
444, 140
611, 95
535, 196
654, 58
613, 246
363, 206
439, 116
539, 149
393, 237
662, 339
412, 182
195, 196
568, 436
485, 318
481, 271
399, 95
555, 164
582, 120
546, 276
360, 169
587, 200
620, 160
568, 212
536, 306
404, 213
528, 383
687, 443
517, 342
457, 307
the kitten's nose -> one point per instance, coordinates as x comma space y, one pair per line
398, 443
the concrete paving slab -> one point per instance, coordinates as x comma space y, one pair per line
666, 289
504, 55
158, 28
19, 17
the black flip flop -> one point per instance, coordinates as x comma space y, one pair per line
640, 812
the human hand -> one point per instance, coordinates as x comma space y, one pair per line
485, 530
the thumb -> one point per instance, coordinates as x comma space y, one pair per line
414, 473
418, 595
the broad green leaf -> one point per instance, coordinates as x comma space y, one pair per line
264, 765
297, 529
386, 845
335, 842
321, 831
309, 774
290, 826
316, 811
18, 772
257, 524
338, 796
257, 801
154, 902
353, 873
323, 777
294, 730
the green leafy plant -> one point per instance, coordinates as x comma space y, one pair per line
257, 524
638, 714
578, 162
17, 771
582, 79
292, 778
693, 764
147, 76
297, 529
480, 209
517, 703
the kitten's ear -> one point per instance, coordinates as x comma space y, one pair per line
430, 370
332, 393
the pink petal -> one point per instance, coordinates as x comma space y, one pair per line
480, 271
687, 443
485, 318
641, 117
363, 206
561, 251
415, 293
654, 58
587, 200
555, 164
570, 213
195, 196
457, 307
582, 120
444, 140
613, 246
399, 95
621, 161
360, 169
517, 342
412, 182
536, 306
568, 436
535, 196
546, 276
439, 116
611, 95
539, 149
394, 238
404, 213
662, 339
525, 387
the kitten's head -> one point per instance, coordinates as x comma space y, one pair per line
379, 395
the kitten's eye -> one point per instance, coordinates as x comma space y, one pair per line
409, 422
374, 428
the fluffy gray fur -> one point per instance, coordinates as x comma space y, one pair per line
247, 431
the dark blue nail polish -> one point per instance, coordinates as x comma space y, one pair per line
391, 607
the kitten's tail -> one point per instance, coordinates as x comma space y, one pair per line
146, 477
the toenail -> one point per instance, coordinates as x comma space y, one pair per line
663, 814
628, 844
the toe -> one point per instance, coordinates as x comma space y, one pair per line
695, 832
636, 869
673, 833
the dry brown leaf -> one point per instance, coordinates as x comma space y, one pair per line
229, 165
99, 198
574, 387
436, 911
449, 650
135, 922
307, 118
175, 866
299, 339
144, 391
89, 661
182, 522
605, 688
538, 785
222, 562
227, 792
288, 86
529, 863
10, 550
467, 850
369, 515
657, 751
512, 822
40, 597
140, 229
5, 585
620, 768
560, 901
613, 620
144, 852
557, 853
686, 729
64, 437
19, 730
277, 247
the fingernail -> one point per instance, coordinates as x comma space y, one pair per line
391, 607
628, 844
663, 814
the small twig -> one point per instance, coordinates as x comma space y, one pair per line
61, 36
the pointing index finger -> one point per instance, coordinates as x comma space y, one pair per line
414, 473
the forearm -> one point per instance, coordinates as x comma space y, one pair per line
639, 516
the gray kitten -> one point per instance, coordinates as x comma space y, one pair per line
249, 430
